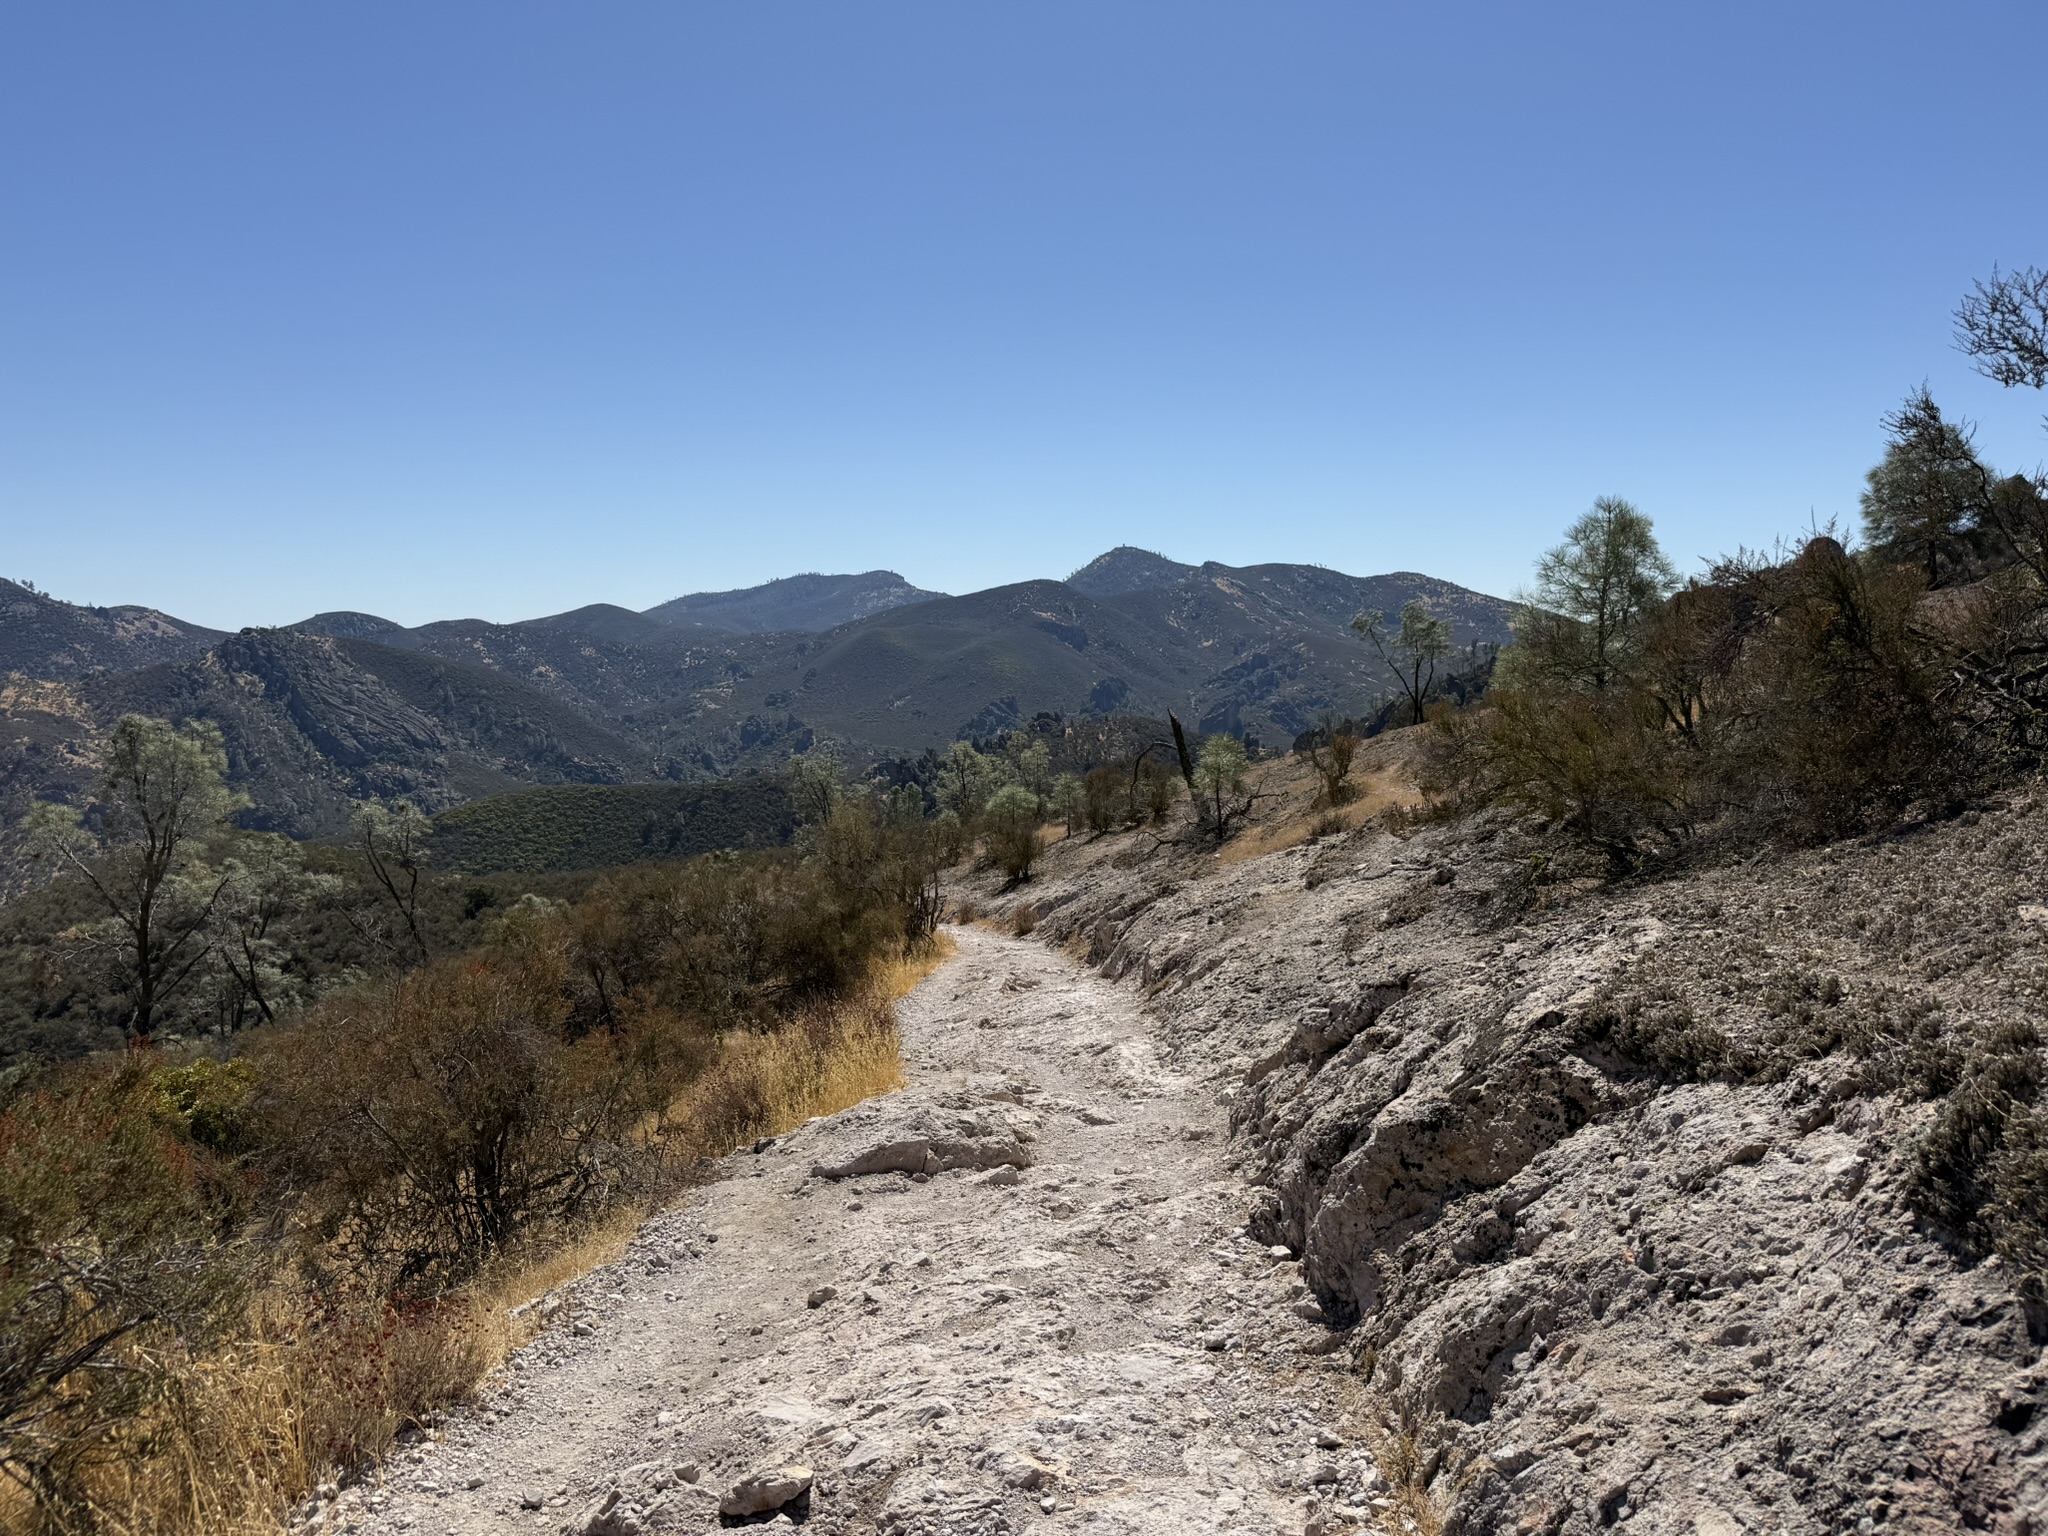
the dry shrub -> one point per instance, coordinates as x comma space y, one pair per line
1406, 1466
895, 975
1786, 701
1330, 749
1023, 919
1380, 794
833, 1057
1600, 766
1827, 721
437, 1147
111, 1263
431, 1122
1129, 792
1455, 766
965, 911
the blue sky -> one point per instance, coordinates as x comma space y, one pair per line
440, 310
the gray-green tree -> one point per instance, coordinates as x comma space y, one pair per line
966, 780
1410, 652
1030, 763
1011, 817
817, 783
394, 838
1929, 492
264, 885
1069, 801
1582, 625
162, 796
1220, 794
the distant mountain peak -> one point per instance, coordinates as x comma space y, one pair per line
811, 602
347, 624
1128, 569
601, 621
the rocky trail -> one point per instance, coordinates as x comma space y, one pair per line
1017, 1296
1347, 1186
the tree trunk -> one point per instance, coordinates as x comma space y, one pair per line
1180, 745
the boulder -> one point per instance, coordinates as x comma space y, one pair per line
923, 1143
759, 1492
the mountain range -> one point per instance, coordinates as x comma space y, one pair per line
320, 714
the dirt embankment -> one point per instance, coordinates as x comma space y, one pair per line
1610, 1197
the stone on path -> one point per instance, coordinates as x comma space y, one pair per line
759, 1492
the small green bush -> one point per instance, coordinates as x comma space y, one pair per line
1012, 818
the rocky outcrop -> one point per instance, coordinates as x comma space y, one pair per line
1613, 1197
44, 637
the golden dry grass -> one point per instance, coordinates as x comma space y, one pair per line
1401, 1463
252, 1427
1381, 780
325, 1383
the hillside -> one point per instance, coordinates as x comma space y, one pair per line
1260, 651
1128, 569
592, 826
1330, 1189
1628, 1202
314, 725
347, 705
44, 637
807, 603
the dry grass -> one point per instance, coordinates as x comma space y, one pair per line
327, 1382
1401, 1463
250, 1429
894, 979
1380, 782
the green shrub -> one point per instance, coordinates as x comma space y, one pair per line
1980, 1166
210, 1100
586, 826
1218, 793
1598, 765
1012, 818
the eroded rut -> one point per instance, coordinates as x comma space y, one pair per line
1091, 1342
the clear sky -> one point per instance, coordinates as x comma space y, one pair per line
497, 309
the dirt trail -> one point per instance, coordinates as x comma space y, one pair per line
1095, 1342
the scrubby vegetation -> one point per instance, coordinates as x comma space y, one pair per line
591, 826
235, 1260
1640, 725
1773, 702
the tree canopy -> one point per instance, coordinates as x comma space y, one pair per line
1581, 625
1929, 493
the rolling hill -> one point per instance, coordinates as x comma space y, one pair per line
804, 603
347, 705
45, 637
593, 826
